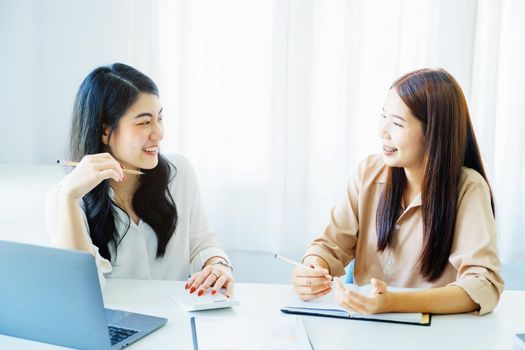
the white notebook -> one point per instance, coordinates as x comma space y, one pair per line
192, 302
328, 306
254, 333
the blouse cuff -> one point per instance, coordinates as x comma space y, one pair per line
103, 267
206, 254
481, 291
336, 268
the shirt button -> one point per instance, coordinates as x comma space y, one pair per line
397, 226
389, 262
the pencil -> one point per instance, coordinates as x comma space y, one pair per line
126, 171
296, 263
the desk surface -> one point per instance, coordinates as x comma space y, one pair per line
493, 331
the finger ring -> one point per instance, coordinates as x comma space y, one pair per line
216, 276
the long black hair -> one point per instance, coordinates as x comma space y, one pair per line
102, 99
435, 98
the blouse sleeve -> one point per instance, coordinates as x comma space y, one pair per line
203, 240
51, 207
474, 250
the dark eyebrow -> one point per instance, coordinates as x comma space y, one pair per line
148, 114
395, 116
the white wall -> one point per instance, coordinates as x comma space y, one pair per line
329, 61
47, 48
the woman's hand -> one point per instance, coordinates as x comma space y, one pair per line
379, 300
91, 171
212, 275
314, 282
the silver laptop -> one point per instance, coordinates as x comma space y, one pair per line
53, 296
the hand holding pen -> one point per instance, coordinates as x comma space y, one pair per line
311, 279
90, 172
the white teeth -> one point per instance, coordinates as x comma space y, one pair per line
151, 149
389, 149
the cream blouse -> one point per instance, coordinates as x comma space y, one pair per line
192, 244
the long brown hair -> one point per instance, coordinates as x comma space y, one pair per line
437, 101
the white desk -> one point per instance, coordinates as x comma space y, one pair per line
492, 331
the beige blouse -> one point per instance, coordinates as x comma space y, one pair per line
474, 264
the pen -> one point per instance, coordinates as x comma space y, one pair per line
126, 171
293, 262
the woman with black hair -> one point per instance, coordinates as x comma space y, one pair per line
149, 226
420, 215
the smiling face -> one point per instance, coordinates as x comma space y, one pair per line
401, 134
135, 142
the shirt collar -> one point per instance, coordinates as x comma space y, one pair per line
381, 179
121, 215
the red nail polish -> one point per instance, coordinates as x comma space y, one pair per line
201, 292
186, 286
192, 289
213, 292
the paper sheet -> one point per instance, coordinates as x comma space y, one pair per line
240, 333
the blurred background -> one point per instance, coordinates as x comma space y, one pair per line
274, 101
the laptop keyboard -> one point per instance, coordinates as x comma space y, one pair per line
118, 334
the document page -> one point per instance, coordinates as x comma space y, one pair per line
240, 333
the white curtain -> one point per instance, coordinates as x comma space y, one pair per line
275, 102
498, 104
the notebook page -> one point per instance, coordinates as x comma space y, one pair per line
240, 333
329, 306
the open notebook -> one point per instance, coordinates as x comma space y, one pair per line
255, 333
327, 306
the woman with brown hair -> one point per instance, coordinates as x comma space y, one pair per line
420, 215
